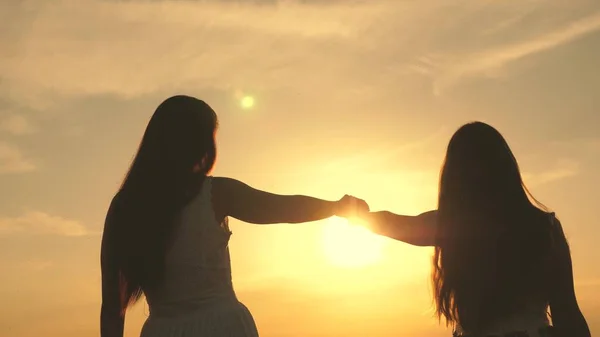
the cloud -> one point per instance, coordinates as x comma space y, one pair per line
564, 169
17, 125
140, 47
13, 161
328, 49
509, 22
40, 223
587, 145
488, 62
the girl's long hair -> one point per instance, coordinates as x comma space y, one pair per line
491, 255
161, 181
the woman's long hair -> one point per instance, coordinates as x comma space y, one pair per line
176, 153
493, 240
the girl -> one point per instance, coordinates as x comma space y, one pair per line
500, 258
166, 233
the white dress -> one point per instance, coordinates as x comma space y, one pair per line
196, 298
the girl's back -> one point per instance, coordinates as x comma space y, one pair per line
196, 296
509, 272
197, 265
166, 233
500, 259
497, 286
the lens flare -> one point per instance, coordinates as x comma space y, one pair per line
247, 102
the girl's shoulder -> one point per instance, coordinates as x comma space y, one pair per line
553, 222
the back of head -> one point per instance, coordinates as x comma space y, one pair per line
492, 235
176, 153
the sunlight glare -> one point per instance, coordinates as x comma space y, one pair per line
349, 245
247, 102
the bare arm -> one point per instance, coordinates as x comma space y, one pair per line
236, 199
111, 320
566, 315
416, 230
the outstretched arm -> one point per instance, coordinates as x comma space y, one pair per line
236, 199
111, 320
416, 230
566, 315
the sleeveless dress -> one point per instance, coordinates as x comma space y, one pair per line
530, 321
197, 298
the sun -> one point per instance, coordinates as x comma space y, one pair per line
350, 246
247, 102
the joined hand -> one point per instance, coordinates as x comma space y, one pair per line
351, 207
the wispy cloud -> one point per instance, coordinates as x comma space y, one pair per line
489, 61
140, 47
135, 48
17, 125
13, 161
508, 22
561, 170
40, 223
588, 145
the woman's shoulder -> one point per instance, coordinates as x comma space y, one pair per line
556, 233
226, 187
553, 221
546, 218
223, 181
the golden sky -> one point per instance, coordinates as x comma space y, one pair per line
355, 97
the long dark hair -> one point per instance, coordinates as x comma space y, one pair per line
492, 249
176, 153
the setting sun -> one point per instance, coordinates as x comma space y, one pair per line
349, 245
288, 107
247, 102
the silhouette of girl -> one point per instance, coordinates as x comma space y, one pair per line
166, 234
501, 260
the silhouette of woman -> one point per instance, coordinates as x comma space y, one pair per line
166, 234
501, 260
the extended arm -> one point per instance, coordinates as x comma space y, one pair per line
234, 198
111, 320
416, 230
566, 315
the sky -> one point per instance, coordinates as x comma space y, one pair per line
357, 97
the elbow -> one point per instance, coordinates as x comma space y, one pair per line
112, 322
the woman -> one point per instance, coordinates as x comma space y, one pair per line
166, 232
500, 259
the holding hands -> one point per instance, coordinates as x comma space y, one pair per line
351, 207
419, 230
